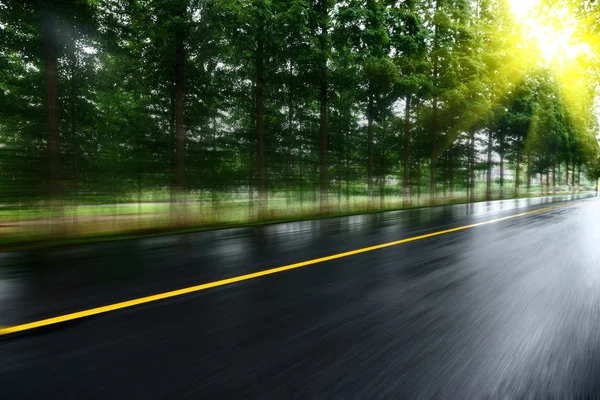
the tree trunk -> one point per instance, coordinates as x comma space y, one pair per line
288, 177
559, 177
301, 179
323, 148
214, 198
405, 147
139, 199
370, 168
340, 153
573, 177
488, 187
472, 160
528, 174
433, 171
339, 183
382, 180
553, 178
517, 172
579, 178
567, 175
171, 151
214, 202
115, 215
444, 175
596, 185
51, 89
251, 184
547, 183
347, 167
73, 120
502, 174
288, 174
260, 153
419, 182
434, 111
179, 128
452, 172
381, 192
201, 204
202, 182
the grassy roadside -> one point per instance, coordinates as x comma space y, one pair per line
161, 227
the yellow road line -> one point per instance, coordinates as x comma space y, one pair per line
223, 282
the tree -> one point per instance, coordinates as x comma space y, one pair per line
593, 169
320, 26
408, 41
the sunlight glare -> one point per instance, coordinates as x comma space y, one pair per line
521, 8
553, 34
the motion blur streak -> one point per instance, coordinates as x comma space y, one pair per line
174, 293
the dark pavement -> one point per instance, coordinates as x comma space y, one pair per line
508, 310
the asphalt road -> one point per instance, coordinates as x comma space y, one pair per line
504, 310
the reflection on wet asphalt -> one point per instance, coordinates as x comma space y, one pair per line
508, 310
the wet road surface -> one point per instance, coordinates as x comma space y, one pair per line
506, 310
